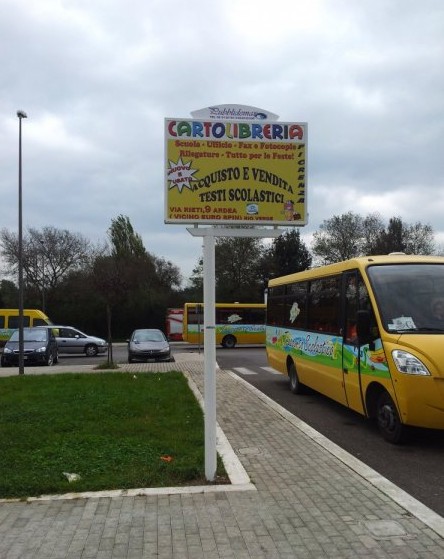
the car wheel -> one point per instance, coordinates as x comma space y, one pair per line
50, 360
229, 342
295, 385
91, 350
388, 421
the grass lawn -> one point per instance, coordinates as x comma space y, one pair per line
115, 430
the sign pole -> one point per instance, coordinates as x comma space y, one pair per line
209, 354
209, 287
237, 170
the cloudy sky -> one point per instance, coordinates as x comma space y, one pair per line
97, 78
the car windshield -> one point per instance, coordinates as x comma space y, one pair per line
33, 335
410, 297
148, 337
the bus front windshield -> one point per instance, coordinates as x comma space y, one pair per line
410, 297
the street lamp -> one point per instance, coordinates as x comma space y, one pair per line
21, 115
42, 242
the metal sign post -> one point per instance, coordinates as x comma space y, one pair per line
209, 288
210, 355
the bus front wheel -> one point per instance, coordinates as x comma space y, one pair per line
229, 342
387, 417
295, 385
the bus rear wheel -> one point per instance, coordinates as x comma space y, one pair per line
388, 421
229, 342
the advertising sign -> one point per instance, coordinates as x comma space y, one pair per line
235, 172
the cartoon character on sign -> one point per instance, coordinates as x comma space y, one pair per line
289, 211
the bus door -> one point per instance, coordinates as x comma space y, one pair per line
353, 355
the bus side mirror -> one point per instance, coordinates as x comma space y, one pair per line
363, 327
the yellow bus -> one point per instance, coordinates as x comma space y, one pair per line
9, 321
236, 323
367, 333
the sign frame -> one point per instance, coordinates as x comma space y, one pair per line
235, 172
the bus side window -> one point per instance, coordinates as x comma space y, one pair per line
364, 304
296, 305
356, 298
324, 307
351, 307
14, 322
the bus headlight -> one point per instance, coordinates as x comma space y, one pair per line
409, 364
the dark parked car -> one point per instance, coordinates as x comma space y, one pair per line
148, 344
39, 347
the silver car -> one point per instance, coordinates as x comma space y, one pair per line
71, 340
148, 344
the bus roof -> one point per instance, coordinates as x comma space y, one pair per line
360, 262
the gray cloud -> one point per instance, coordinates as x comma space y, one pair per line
97, 80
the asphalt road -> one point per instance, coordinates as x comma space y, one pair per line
416, 467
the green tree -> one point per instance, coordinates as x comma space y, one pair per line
131, 282
420, 239
109, 275
286, 255
125, 242
238, 273
401, 237
238, 262
123, 274
350, 235
373, 227
194, 290
339, 238
168, 274
8, 295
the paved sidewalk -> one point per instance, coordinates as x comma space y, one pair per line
306, 498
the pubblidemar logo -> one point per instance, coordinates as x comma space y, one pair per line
241, 114
232, 111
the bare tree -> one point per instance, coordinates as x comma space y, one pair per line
49, 255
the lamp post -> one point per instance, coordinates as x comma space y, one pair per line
21, 115
42, 242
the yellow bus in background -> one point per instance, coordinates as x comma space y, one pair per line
9, 321
236, 323
367, 333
